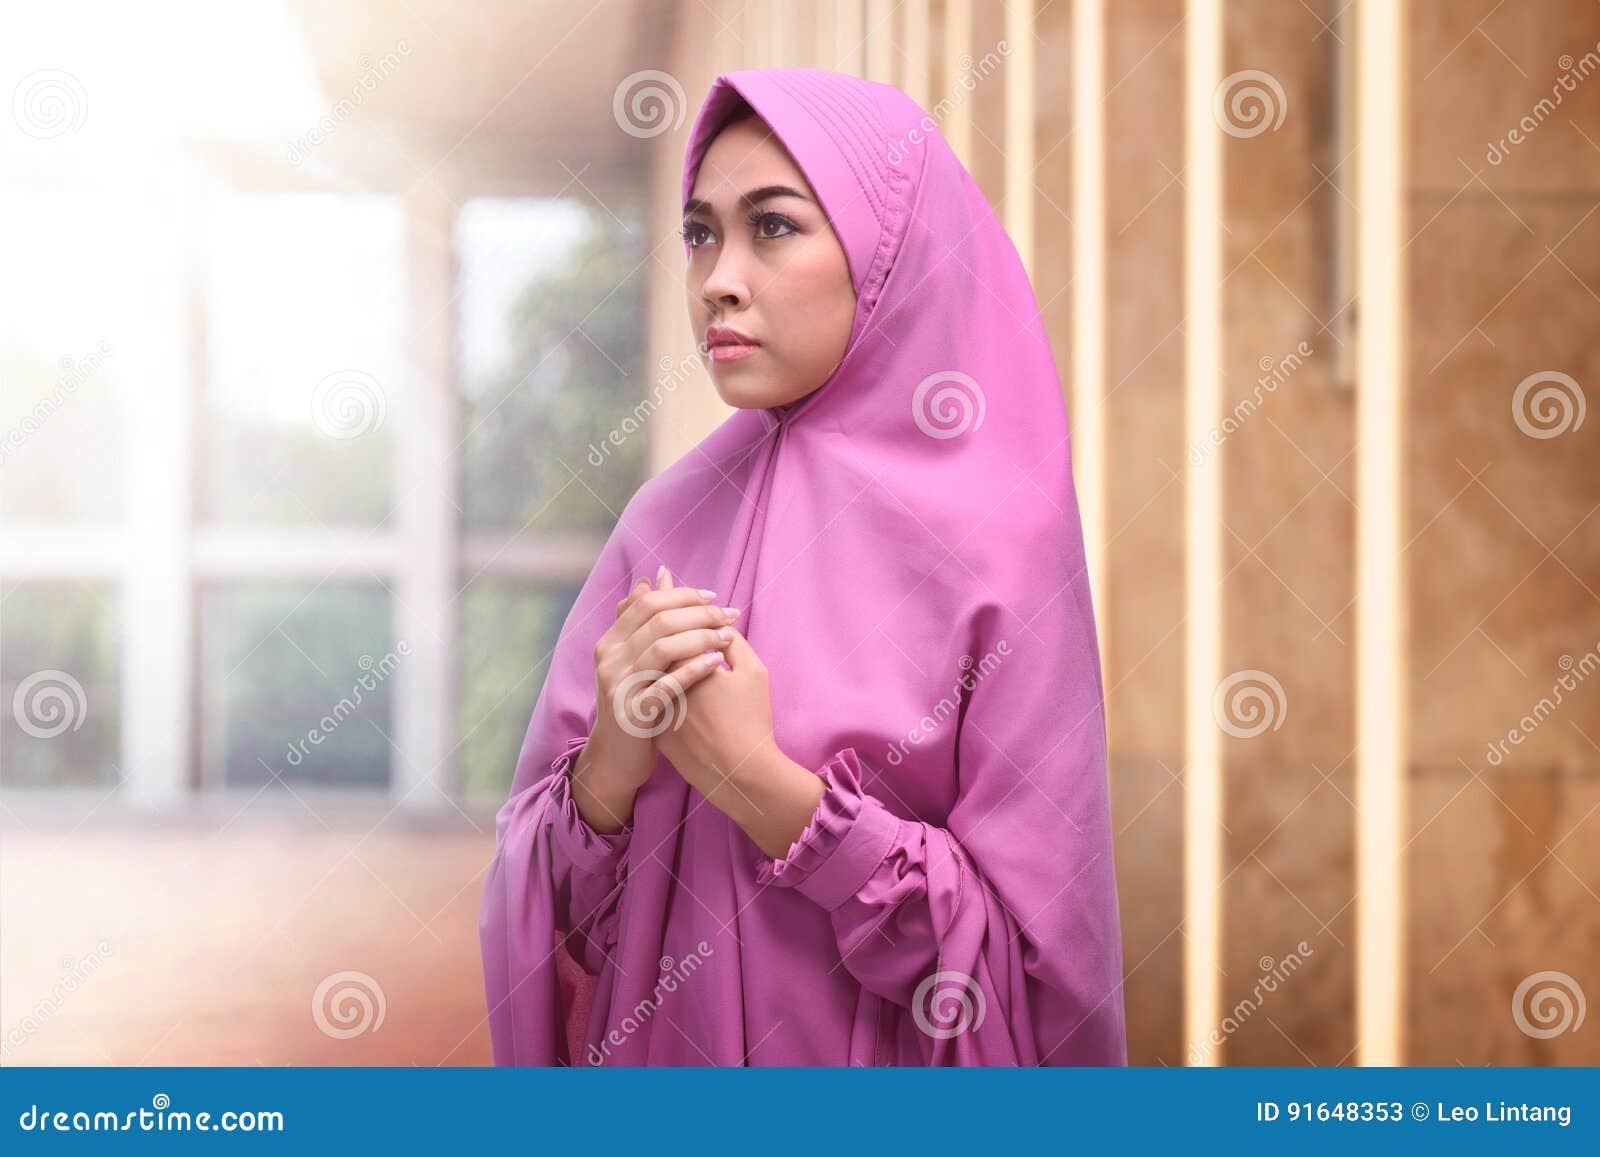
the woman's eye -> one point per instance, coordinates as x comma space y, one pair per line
695, 234
770, 225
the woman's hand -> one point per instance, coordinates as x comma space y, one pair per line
725, 730
643, 664
725, 748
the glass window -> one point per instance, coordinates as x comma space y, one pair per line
63, 347
296, 680
551, 345
305, 358
508, 631
59, 682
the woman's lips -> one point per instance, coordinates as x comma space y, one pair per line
725, 344
733, 351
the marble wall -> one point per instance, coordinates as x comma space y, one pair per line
1503, 269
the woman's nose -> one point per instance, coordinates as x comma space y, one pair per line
727, 283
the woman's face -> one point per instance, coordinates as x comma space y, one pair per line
770, 296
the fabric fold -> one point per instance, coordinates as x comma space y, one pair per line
552, 904
599, 853
848, 836
918, 925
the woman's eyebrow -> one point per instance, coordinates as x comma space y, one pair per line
751, 199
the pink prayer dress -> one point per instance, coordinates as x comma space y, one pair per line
906, 545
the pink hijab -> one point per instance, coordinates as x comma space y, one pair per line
905, 543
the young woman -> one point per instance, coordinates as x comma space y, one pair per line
817, 776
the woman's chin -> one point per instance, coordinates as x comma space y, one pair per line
747, 387
745, 393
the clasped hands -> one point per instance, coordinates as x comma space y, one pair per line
673, 675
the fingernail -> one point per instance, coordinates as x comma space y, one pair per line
725, 635
705, 594
661, 573
733, 612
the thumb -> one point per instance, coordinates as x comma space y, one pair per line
739, 652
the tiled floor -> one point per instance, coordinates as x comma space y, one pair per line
161, 945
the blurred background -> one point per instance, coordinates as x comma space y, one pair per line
337, 335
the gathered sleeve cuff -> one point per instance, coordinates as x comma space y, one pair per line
598, 853
848, 837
